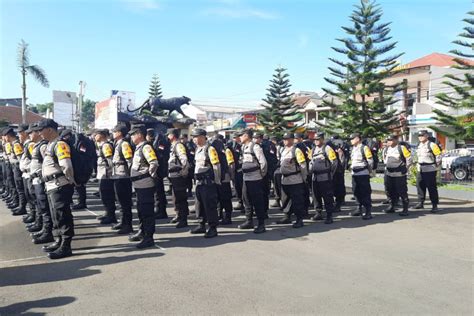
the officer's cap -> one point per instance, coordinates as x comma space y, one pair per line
248, 131
138, 128
22, 128
288, 136
174, 131
102, 131
299, 135
423, 132
45, 123
319, 135
258, 135
198, 132
354, 135
33, 128
220, 137
8, 131
122, 128
150, 132
392, 137
237, 134
66, 132
274, 138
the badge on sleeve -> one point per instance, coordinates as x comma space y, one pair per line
31, 145
181, 149
229, 156
213, 156
127, 150
406, 152
63, 151
17, 149
367, 152
299, 156
107, 150
435, 148
8, 148
149, 153
331, 153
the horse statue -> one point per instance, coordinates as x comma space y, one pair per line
154, 105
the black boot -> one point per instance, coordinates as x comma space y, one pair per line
337, 207
29, 218
285, 220
367, 215
227, 220
79, 206
405, 209
108, 219
201, 229
298, 224
434, 208
211, 232
117, 226
329, 219
419, 206
260, 229
138, 236
182, 223
160, 212
19, 211
390, 209
174, 220
318, 216
386, 202
44, 238
146, 242
63, 251
125, 230
248, 224
54, 246
36, 227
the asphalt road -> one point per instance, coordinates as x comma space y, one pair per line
422, 264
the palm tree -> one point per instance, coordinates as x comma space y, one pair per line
25, 67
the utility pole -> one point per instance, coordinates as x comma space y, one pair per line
82, 87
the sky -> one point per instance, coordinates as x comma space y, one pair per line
220, 52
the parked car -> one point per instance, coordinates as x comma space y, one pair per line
461, 167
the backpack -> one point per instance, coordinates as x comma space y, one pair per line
220, 148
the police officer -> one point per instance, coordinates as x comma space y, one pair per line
11, 196
227, 174
143, 174
191, 152
254, 168
18, 206
105, 153
58, 176
294, 174
122, 162
162, 146
323, 166
397, 161
25, 160
429, 158
270, 153
238, 180
207, 173
342, 154
178, 169
302, 145
361, 167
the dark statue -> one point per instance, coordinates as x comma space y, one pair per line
154, 105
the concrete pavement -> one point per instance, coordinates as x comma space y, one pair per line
390, 265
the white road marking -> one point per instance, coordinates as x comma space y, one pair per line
24, 259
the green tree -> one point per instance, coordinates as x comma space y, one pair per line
38, 73
41, 108
359, 97
280, 113
155, 87
459, 127
88, 113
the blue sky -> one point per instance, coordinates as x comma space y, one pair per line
214, 51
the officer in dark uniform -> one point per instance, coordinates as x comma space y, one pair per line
58, 176
397, 159
143, 174
15, 156
300, 143
191, 152
429, 159
323, 166
122, 163
270, 152
178, 168
207, 173
236, 147
3, 180
104, 174
361, 166
10, 196
340, 147
162, 146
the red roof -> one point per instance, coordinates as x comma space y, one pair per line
435, 59
301, 101
12, 115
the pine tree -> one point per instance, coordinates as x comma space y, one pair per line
461, 126
359, 97
155, 87
280, 114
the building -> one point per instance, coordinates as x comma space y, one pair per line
12, 115
424, 80
10, 102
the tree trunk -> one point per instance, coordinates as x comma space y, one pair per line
23, 99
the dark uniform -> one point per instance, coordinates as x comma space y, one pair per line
162, 146
270, 153
224, 189
191, 152
397, 159
238, 179
178, 170
58, 176
429, 158
143, 174
342, 154
361, 166
10, 196
207, 174
15, 157
303, 146
122, 162
323, 166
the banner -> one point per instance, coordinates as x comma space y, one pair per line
125, 99
64, 108
106, 113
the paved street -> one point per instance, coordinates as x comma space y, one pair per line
418, 265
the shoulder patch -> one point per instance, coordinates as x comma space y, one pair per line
300, 158
435, 148
309, 153
31, 146
62, 150
149, 153
229, 156
17, 149
8, 148
181, 149
331, 153
367, 152
406, 152
107, 150
127, 150
213, 155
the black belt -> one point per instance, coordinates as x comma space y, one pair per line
290, 174
204, 176
250, 170
53, 177
35, 175
118, 163
359, 169
318, 172
427, 163
140, 177
175, 169
401, 169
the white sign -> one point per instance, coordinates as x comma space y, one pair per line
64, 109
106, 113
125, 99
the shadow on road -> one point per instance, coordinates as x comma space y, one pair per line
65, 270
22, 308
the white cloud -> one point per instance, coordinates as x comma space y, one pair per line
142, 5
